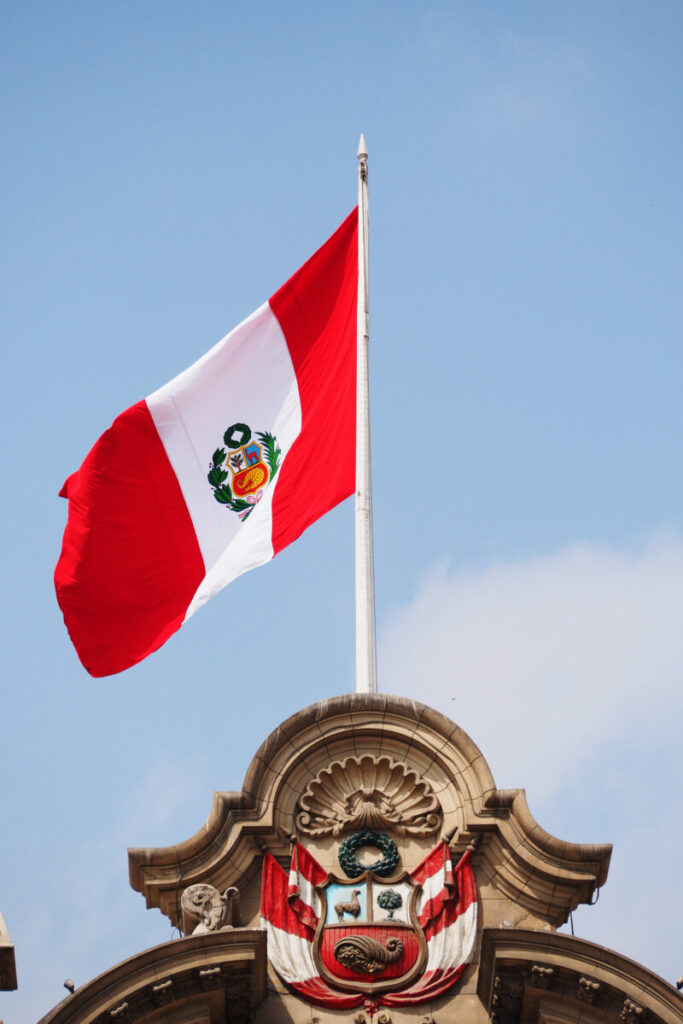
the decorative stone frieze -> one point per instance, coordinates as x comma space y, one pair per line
631, 1012
368, 792
210, 977
541, 976
508, 996
162, 994
587, 990
582, 972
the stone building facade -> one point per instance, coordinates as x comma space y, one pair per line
369, 871
8, 967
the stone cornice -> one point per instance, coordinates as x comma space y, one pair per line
232, 961
527, 975
564, 874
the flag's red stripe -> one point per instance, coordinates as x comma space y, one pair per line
316, 310
307, 865
274, 905
304, 866
130, 561
432, 864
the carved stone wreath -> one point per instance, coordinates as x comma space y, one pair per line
350, 864
368, 792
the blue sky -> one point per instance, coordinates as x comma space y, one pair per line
167, 166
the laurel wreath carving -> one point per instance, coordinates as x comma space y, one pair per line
350, 864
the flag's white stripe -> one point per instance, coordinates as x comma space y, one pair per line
453, 945
307, 892
431, 887
247, 377
290, 955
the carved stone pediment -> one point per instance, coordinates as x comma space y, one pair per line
372, 762
368, 792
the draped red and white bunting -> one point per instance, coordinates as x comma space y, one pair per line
304, 875
447, 911
156, 523
290, 913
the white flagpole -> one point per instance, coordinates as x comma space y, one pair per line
366, 667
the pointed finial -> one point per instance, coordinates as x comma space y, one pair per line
362, 153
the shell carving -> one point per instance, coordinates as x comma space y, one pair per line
368, 792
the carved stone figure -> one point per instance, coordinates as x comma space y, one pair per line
352, 907
368, 792
215, 911
390, 901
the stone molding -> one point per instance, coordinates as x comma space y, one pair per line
545, 875
169, 983
534, 977
538, 869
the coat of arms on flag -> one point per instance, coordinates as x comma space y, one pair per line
253, 460
384, 937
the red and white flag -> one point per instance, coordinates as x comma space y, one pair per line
218, 470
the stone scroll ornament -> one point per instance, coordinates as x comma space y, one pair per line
368, 792
371, 941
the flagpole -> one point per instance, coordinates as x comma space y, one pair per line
366, 666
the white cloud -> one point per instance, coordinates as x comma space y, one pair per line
543, 662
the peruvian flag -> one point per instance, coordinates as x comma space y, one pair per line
218, 470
